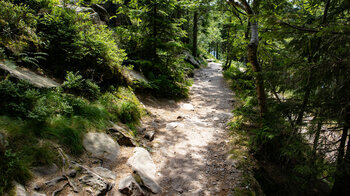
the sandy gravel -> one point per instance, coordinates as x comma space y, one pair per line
191, 146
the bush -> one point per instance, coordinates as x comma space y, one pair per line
18, 27
36, 5
75, 84
74, 43
12, 168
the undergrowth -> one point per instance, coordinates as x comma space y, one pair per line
33, 121
287, 164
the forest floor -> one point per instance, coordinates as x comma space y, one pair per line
191, 147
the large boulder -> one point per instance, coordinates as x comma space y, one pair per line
144, 169
189, 58
101, 145
27, 75
102, 12
136, 76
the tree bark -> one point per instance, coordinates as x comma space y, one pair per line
324, 18
154, 48
253, 60
195, 34
342, 182
217, 50
342, 175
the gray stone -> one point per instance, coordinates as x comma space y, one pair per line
37, 194
101, 145
45, 170
155, 124
29, 76
136, 76
123, 137
97, 184
144, 167
187, 106
171, 126
102, 12
104, 172
77, 9
129, 186
20, 190
189, 58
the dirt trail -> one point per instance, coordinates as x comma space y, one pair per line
191, 146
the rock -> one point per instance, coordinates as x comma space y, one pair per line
92, 183
136, 76
72, 173
96, 19
189, 58
97, 184
155, 124
187, 106
37, 194
101, 145
102, 12
104, 172
123, 137
144, 168
29, 76
55, 181
141, 129
172, 101
149, 135
45, 170
20, 190
171, 126
129, 186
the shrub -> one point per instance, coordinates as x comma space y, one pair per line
12, 168
74, 43
128, 112
75, 84
36, 5
18, 27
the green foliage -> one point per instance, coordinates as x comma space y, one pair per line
12, 167
74, 43
36, 5
154, 46
75, 84
18, 26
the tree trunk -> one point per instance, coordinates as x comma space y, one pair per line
342, 175
195, 33
217, 50
154, 48
342, 182
253, 60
